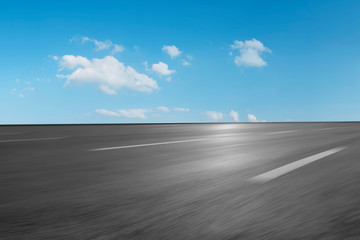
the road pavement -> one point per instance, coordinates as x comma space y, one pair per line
180, 181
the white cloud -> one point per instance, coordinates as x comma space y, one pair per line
100, 45
234, 115
71, 61
252, 118
129, 113
163, 109
141, 113
185, 63
182, 109
107, 112
55, 58
173, 51
134, 113
108, 73
117, 48
250, 51
21, 95
162, 69
214, 115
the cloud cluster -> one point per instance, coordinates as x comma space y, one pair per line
172, 51
250, 53
110, 75
22, 88
252, 118
100, 45
136, 113
107, 73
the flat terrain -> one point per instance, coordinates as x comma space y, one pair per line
180, 181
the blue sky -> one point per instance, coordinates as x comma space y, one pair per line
179, 61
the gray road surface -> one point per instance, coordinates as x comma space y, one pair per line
180, 181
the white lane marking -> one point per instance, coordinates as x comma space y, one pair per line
147, 144
227, 135
29, 139
277, 172
321, 129
283, 132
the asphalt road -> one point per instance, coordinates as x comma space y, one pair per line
180, 181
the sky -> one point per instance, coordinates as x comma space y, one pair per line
179, 61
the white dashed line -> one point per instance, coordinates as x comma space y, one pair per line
29, 139
282, 132
322, 129
268, 176
146, 145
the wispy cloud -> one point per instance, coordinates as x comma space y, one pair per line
234, 115
172, 51
250, 53
23, 87
185, 63
107, 112
140, 113
179, 109
55, 58
252, 118
215, 116
133, 113
117, 48
107, 73
163, 109
128, 113
100, 45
